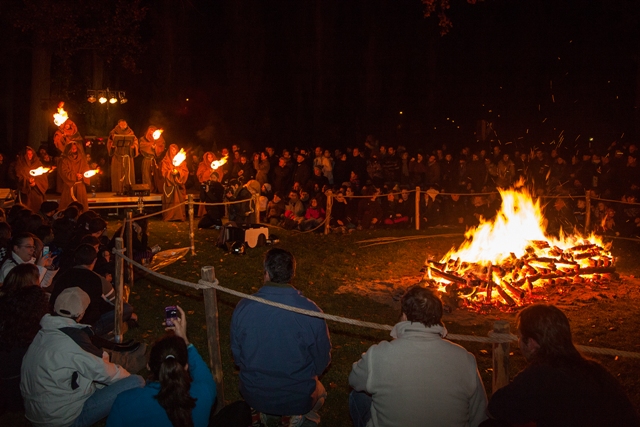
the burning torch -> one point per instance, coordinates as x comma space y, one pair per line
61, 116
92, 172
217, 163
41, 170
178, 159
157, 133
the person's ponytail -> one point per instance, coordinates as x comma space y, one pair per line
167, 361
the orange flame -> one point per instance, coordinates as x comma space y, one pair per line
157, 133
217, 163
92, 172
61, 116
179, 158
41, 170
515, 237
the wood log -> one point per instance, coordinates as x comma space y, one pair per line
554, 275
447, 276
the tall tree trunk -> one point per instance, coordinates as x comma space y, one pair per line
40, 112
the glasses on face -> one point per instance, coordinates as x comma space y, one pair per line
28, 246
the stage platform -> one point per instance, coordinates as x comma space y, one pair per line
107, 200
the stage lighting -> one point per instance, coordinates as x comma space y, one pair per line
91, 96
112, 98
123, 99
101, 97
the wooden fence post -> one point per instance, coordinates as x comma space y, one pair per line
587, 216
327, 225
417, 217
192, 236
118, 283
208, 274
500, 357
129, 252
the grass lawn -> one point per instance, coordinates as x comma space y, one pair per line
324, 264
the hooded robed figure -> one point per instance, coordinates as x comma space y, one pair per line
31, 189
72, 167
174, 191
67, 132
205, 175
152, 150
122, 171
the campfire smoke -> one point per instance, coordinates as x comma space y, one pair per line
503, 261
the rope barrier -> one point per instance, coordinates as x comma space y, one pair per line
492, 338
157, 213
615, 201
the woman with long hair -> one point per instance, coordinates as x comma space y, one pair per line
180, 391
22, 305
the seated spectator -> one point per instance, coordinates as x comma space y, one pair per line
23, 250
559, 387
5, 241
431, 208
294, 211
280, 353
212, 192
64, 226
180, 390
313, 217
65, 379
238, 212
275, 209
454, 211
142, 253
393, 215
22, 305
100, 312
341, 221
369, 209
419, 378
48, 210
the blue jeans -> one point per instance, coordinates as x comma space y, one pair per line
98, 406
107, 321
360, 408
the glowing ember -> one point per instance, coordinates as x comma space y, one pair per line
92, 172
157, 133
217, 163
41, 170
179, 158
61, 116
502, 260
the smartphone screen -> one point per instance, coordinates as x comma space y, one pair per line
170, 313
45, 251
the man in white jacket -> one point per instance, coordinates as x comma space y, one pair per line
65, 379
419, 378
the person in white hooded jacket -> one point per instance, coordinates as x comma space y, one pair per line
419, 378
65, 379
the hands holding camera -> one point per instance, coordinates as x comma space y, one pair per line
179, 325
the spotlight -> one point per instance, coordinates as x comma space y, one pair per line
91, 96
123, 99
112, 98
101, 97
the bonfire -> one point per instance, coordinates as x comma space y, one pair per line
507, 262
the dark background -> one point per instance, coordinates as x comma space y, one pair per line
330, 72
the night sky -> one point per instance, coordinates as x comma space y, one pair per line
331, 72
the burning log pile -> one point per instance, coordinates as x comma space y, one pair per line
508, 262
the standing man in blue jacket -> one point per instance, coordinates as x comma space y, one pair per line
281, 353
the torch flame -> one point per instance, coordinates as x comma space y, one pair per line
41, 170
61, 116
179, 158
92, 172
157, 133
217, 163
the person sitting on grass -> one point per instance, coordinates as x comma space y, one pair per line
418, 379
180, 390
100, 312
22, 304
558, 387
65, 379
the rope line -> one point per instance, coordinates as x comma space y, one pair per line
157, 213
495, 338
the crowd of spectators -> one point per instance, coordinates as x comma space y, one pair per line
457, 188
